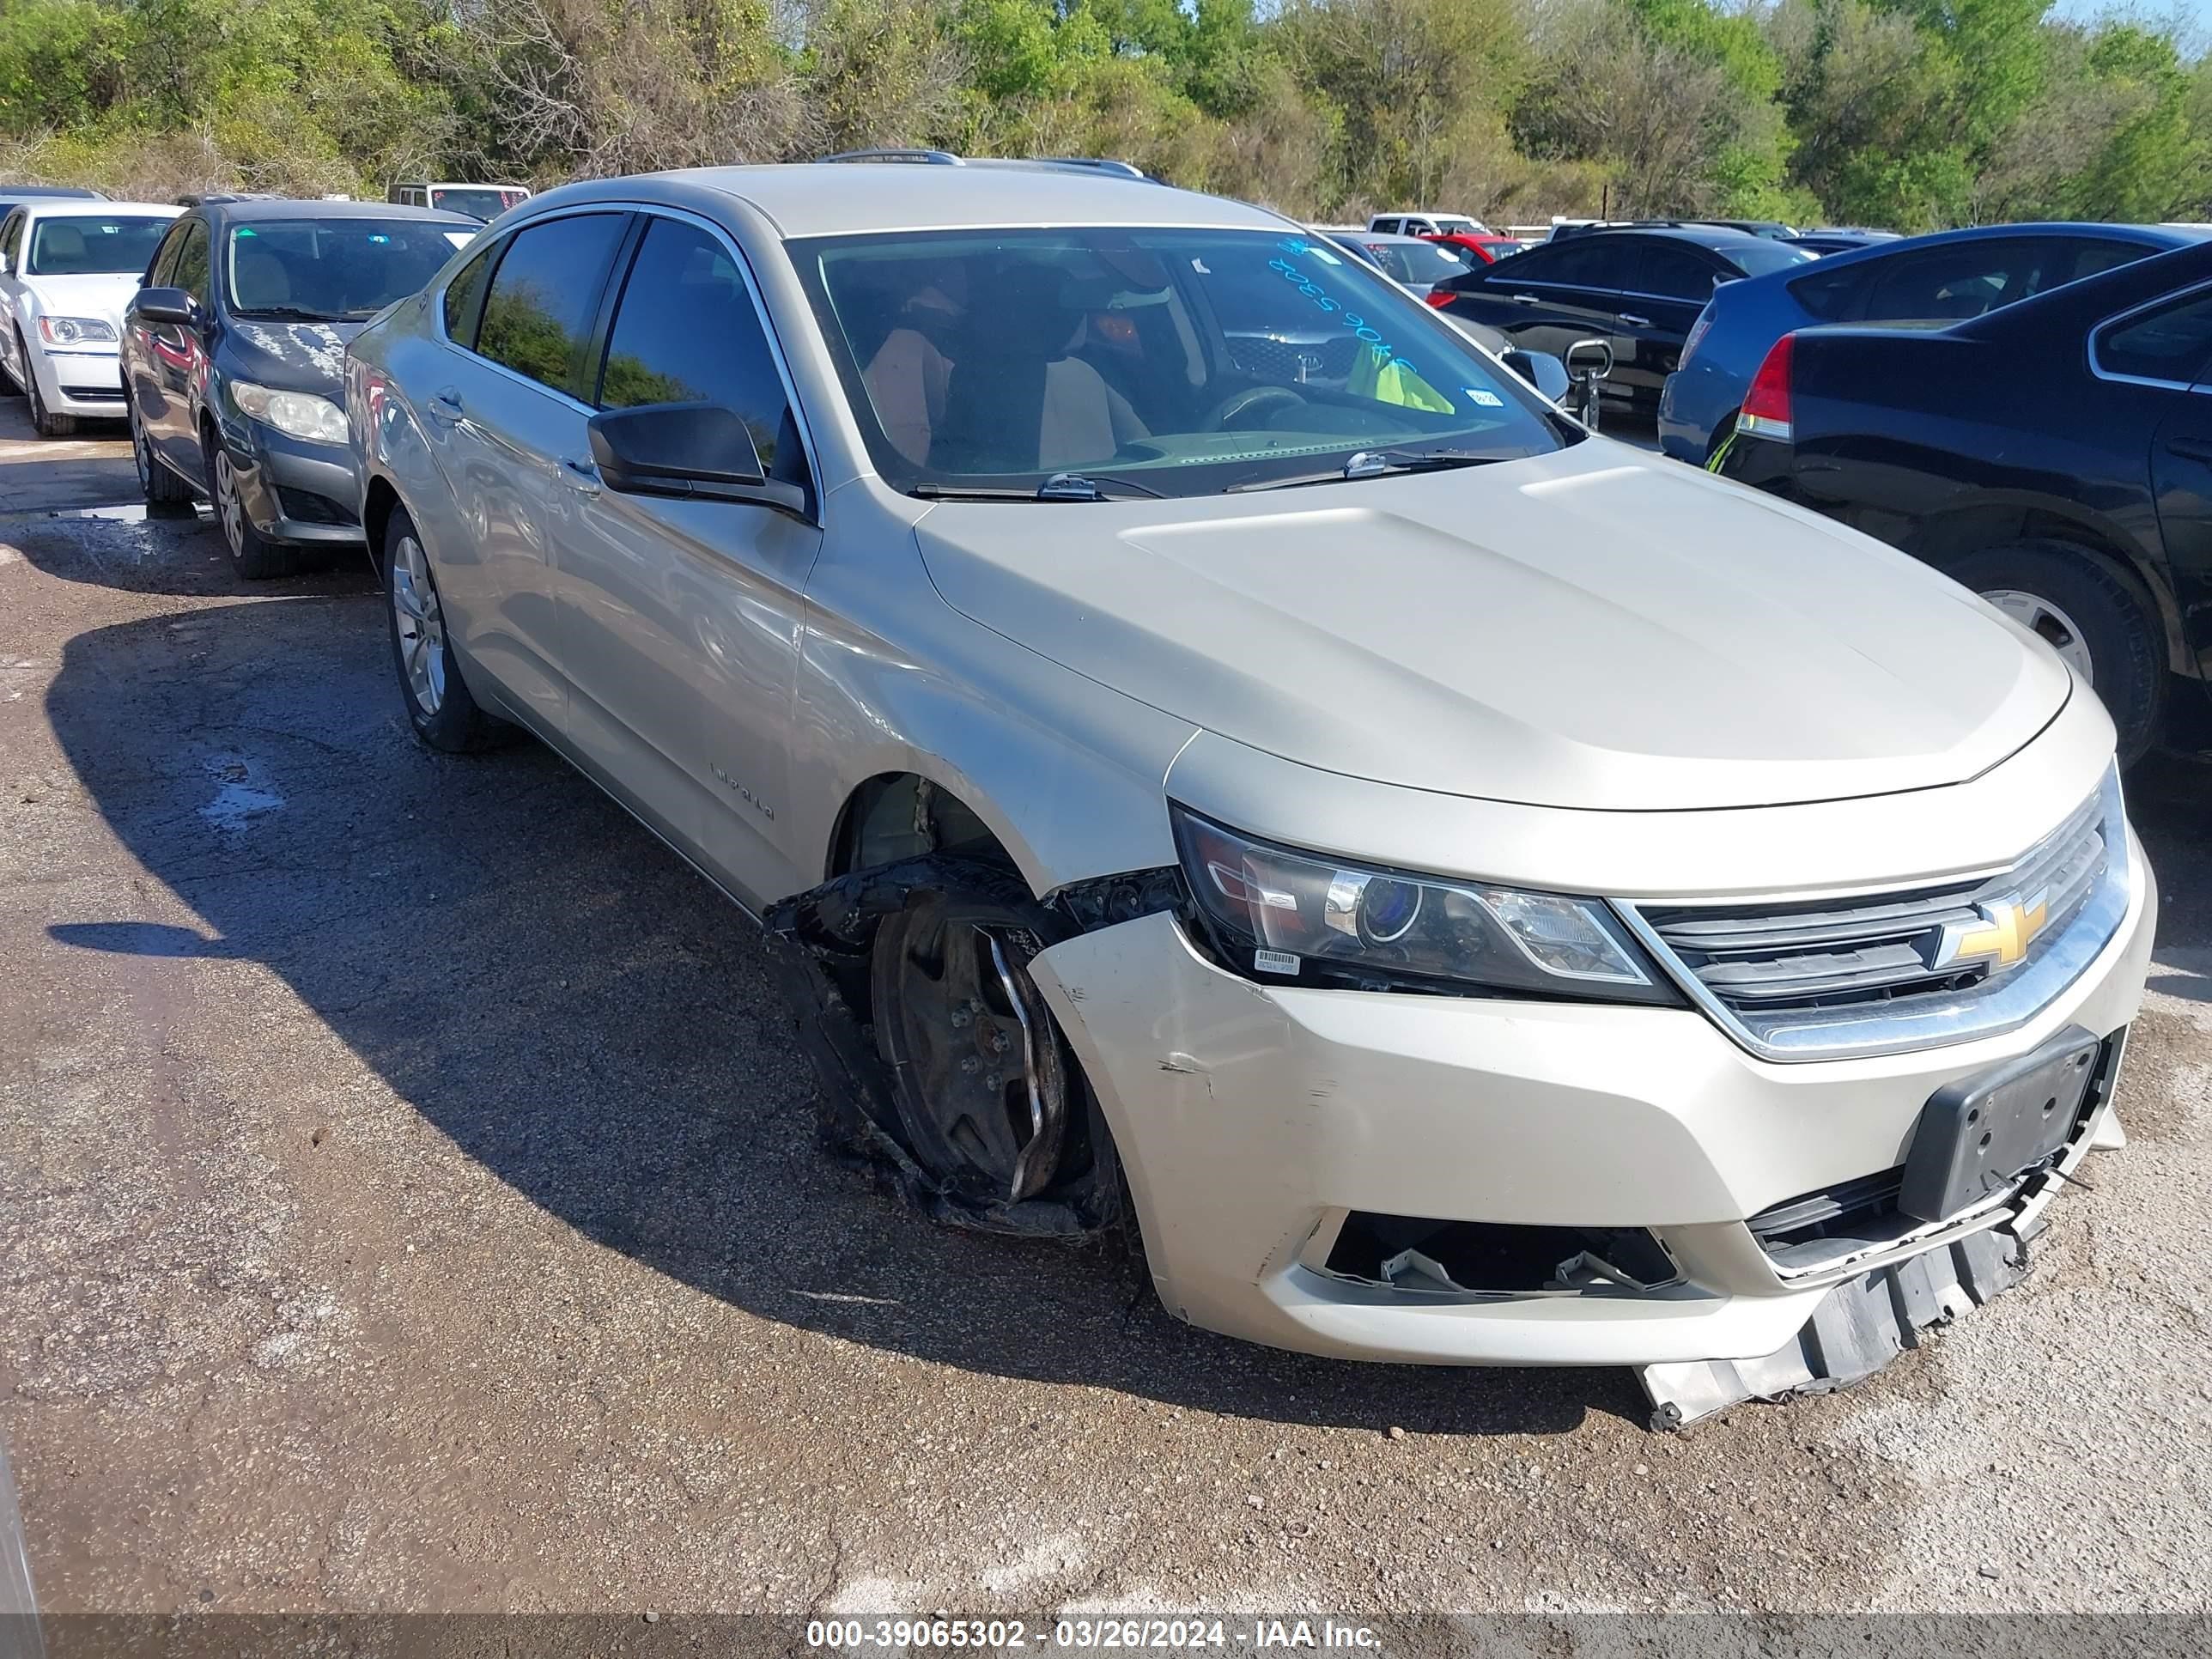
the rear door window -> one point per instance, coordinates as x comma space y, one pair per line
1966, 279
2093, 254
11, 240
545, 297
1672, 272
1598, 262
2172, 343
685, 331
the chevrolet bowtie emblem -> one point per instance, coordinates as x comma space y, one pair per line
2007, 927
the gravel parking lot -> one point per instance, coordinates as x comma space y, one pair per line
410, 1202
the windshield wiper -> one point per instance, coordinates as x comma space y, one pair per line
290, 314
1373, 464
1061, 487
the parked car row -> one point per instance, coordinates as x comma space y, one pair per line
233, 354
1639, 290
1504, 897
2054, 454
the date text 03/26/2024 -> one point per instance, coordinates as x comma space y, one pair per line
1004, 1635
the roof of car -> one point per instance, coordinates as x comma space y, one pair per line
1386, 236
846, 198
1719, 237
265, 209
48, 193
65, 207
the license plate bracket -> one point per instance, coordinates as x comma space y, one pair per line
1979, 1135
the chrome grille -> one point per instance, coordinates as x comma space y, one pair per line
1894, 971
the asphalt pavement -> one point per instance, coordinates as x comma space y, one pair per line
409, 1201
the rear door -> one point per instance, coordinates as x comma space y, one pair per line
2163, 351
1667, 288
508, 417
681, 619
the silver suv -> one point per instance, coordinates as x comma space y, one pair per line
1482, 894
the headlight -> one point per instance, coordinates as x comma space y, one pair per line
1295, 915
301, 414
75, 330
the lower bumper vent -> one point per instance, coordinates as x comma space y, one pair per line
1411, 1252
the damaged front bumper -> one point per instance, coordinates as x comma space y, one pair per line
1282, 1144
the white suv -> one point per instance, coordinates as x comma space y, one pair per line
1200, 727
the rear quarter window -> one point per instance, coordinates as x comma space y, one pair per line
1830, 294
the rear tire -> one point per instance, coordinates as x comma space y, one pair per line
440, 708
43, 421
252, 554
2093, 614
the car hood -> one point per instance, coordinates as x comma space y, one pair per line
101, 296
294, 356
1596, 627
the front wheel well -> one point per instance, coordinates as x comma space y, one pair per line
903, 815
376, 509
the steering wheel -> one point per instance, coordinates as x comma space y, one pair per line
1252, 397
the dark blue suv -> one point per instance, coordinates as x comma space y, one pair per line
1949, 276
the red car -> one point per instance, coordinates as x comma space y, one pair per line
1488, 247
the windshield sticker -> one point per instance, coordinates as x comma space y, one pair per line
1487, 399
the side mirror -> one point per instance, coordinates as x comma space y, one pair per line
165, 304
686, 449
1545, 372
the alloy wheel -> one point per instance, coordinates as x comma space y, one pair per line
2041, 618
139, 457
227, 507
421, 624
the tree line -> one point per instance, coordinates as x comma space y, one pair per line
1906, 113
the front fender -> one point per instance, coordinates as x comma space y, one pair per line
1067, 775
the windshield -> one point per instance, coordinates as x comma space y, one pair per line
1449, 226
329, 269
89, 246
1757, 258
1422, 265
1185, 361
484, 201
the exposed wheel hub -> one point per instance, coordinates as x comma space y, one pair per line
981, 1083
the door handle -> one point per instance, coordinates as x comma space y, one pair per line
2189, 449
445, 407
582, 477
1635, 322
1527, 299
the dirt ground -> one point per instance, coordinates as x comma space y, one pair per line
408, 1202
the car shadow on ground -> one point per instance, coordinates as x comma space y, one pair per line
134, 548
574, 1008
